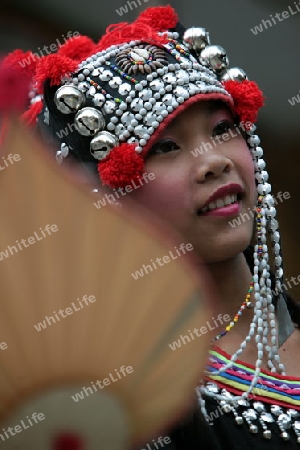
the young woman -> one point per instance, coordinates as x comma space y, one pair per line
153, 97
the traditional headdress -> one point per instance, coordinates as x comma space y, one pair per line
106, 103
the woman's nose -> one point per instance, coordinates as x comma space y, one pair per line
211, 166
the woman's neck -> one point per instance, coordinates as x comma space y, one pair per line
232, 279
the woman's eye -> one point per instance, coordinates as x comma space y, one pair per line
162, 147
222, 127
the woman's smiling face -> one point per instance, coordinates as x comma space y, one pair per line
184, 183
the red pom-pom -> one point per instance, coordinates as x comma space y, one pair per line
34, 110
159, 18
118, 34
53, 67
247, 97
77, 48
121, 167
14, 89
25, 62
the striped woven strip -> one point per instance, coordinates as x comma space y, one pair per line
272, 388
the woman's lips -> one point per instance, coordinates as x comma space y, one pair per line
228, 210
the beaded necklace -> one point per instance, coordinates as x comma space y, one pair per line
246, 304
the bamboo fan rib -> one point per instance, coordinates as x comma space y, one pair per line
82, 264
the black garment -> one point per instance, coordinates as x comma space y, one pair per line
224, 434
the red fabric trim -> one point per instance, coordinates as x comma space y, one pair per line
267, 372
294, 391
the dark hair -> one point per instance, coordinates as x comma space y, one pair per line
292, 305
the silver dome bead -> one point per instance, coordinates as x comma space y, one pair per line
267, 434
88, 121
239, 420
68, 99
215, 57
102, 144
196, 38
234, 74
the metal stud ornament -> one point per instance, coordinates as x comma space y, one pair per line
68, 99
102, 144
196, 38
233, 74
215, 57
88, 121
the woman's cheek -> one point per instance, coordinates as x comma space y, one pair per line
164, 194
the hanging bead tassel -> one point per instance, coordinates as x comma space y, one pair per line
264, 311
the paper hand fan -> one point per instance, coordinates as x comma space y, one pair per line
85, 355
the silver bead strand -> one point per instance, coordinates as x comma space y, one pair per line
267, 223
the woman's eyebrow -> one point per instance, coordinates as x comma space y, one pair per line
212, 107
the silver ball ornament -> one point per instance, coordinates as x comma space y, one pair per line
68, 99
196, 38
215, 57
233, 74
88, 121
102, 144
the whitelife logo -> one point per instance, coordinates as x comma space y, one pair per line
184, 339
102, 383
158, 443
183, 248
111, 198
68, 311
292, 101
124, 9
24, 243
45, 51
214, 141
9, 160
243, 217
24, 425
279, 17
260, 390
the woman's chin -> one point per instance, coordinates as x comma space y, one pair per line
222, 246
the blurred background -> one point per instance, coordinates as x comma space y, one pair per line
270, 57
